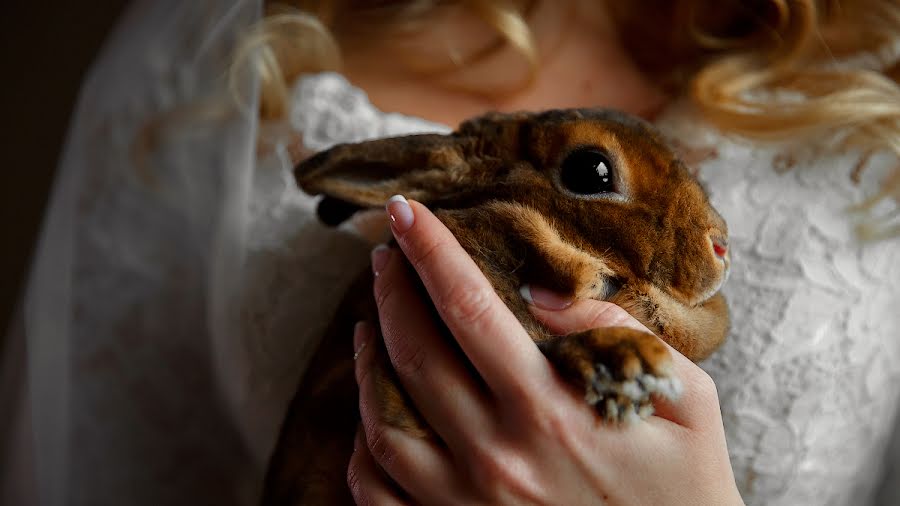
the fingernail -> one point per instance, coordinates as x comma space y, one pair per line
361, 334
543, 298
380, 255
401, 214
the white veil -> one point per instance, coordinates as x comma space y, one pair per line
136, 263
181, 281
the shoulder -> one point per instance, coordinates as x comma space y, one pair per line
327, 109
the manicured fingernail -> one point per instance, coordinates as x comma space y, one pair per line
543, 298
380, 255
401, 214
362, 332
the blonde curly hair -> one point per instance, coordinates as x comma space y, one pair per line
733, 58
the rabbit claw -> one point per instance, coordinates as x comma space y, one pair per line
619, 369
626, 401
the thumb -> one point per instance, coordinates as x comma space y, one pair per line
562, 316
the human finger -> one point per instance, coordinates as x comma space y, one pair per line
416, 462
430, 370
368, 485
698, 405
585, 315
489, 334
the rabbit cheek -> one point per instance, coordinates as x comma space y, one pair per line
552, 261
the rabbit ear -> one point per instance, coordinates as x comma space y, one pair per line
428, 168
423, 167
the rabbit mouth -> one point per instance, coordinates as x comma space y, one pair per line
611, 288
605, 289
721, 263
708, 294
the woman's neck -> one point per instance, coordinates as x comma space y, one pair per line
582, 64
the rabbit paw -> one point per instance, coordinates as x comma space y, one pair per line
618, 368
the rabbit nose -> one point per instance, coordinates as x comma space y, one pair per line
720, 246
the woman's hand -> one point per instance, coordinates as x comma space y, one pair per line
516, 432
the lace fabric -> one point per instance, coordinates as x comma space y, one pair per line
806, 377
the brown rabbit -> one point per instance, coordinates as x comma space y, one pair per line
590, 203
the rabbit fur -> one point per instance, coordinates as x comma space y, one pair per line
588, 202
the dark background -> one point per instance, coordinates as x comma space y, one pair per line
47, 47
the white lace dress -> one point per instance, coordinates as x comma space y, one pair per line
178, 290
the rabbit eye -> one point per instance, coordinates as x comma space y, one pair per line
586, 172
